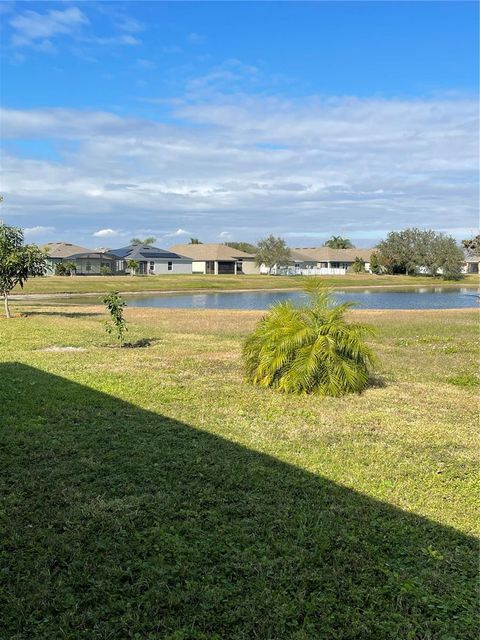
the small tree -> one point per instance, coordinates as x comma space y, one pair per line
272, 252
133, 266
117, 324
337, 242
309, 349
105, 270
375, 264
60, 269
17, 261
195, 241
358, 265
70, 268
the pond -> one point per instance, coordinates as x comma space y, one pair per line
368, 298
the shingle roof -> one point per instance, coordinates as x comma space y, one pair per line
210, 251
62, 249
146, 252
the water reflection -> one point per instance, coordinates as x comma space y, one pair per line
418, 298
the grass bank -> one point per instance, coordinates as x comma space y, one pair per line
100, 284
149, 493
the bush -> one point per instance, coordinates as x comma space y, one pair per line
105, 270
60, 269
309, 349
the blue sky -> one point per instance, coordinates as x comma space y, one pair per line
228, 121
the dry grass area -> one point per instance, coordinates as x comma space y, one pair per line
169, 436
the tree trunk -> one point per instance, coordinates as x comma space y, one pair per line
7, 309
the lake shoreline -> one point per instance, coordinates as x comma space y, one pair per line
91, 294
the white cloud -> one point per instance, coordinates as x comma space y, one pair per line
107, 233
114, 40
256, 164
42, 31
196, 38
127, 23
225, 235
231, 74
38, 231
178, 232
32, 27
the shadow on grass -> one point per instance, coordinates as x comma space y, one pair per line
121, 523
64, 314
377, 381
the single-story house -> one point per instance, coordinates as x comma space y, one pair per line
60, 252
215, 258
471, 264
152, 260
93, 263
320, 261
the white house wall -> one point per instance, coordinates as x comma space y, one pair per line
199, 266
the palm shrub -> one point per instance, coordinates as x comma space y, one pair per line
309, 349
133, 266
358, 265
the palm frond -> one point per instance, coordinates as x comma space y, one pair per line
310, 348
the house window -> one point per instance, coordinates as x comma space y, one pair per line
240, 266
152, 266
170, 266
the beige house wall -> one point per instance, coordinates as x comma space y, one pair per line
249, 267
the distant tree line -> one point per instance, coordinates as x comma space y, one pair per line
414, 250
406, 252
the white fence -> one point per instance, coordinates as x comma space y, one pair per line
321, 271
313, 271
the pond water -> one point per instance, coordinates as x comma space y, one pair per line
368, 298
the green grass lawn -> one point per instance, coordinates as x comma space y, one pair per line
99, 284
151, 494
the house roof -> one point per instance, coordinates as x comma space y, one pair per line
95, 255
62, 249
211, 251
146, 252
326, 254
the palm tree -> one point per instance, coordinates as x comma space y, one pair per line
358, 265
309, 349
133, 266
150, 240
337, 242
